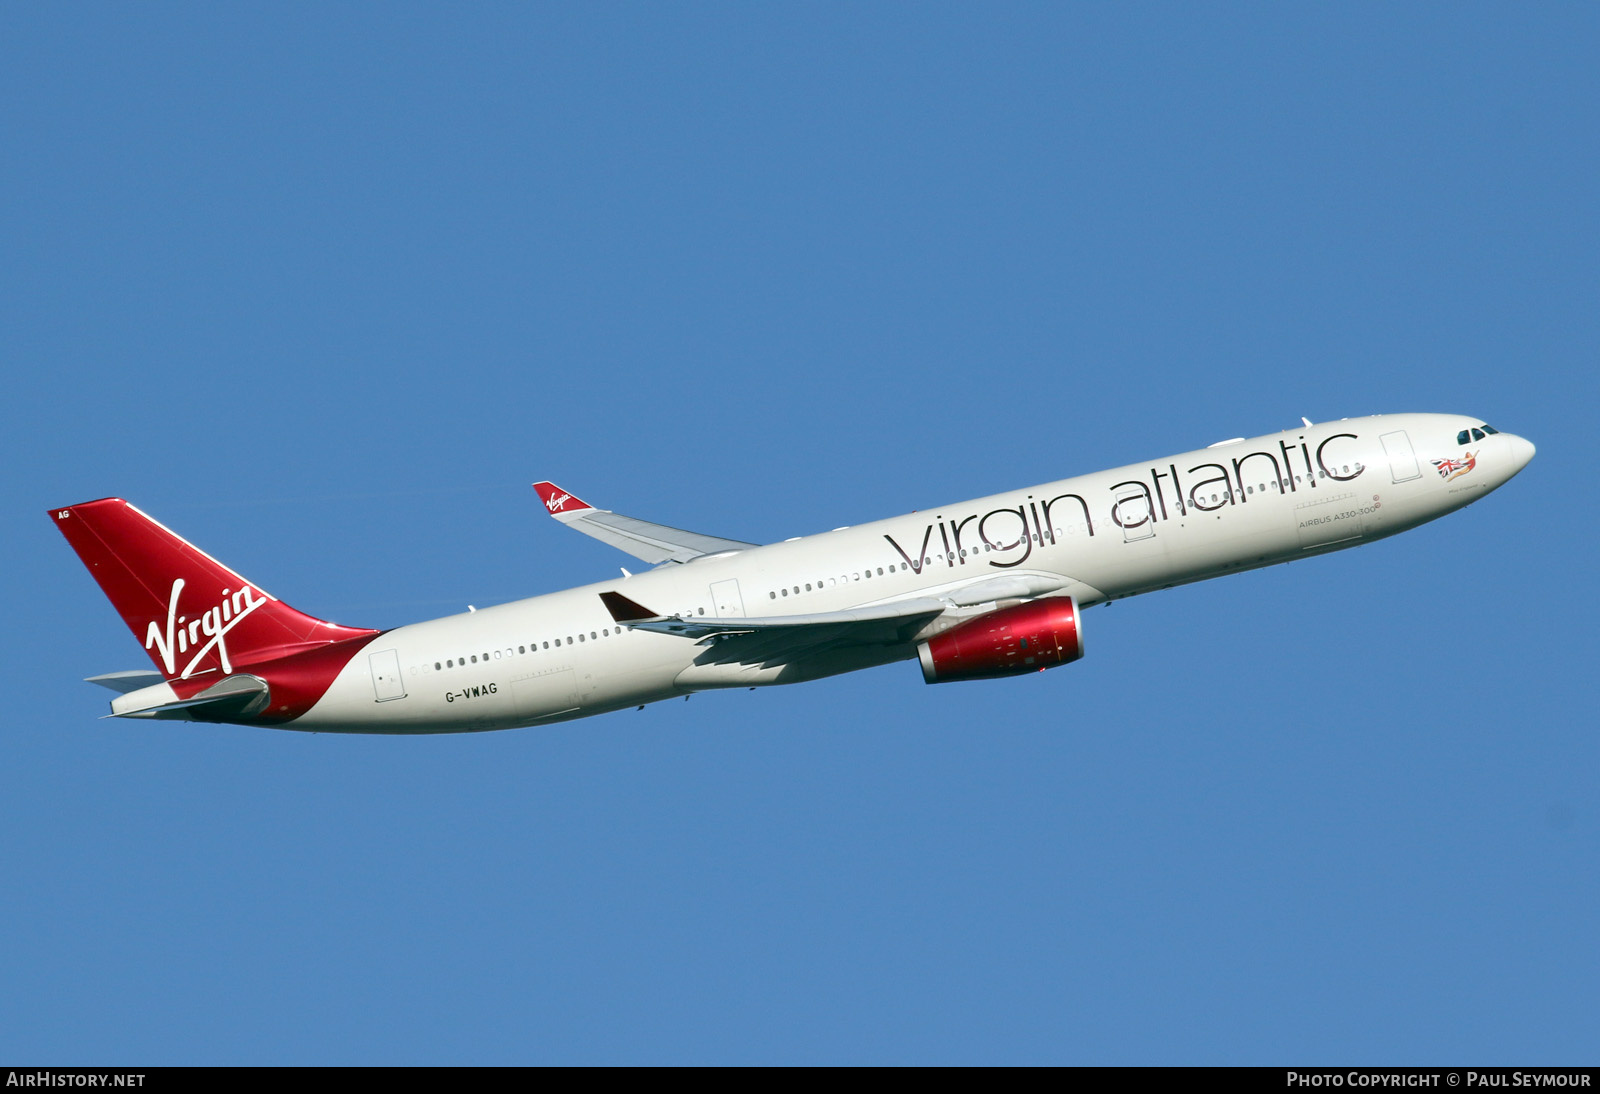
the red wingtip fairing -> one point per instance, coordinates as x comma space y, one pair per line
193, 615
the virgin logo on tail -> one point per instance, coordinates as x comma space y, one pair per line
555, 501
201, 635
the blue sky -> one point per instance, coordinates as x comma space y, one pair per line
325, 288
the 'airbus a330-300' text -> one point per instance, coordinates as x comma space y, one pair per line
984, 588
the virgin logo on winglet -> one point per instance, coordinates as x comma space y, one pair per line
557, 500
183, 634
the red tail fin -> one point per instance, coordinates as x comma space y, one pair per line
193, 614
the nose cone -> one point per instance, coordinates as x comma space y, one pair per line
1521, 451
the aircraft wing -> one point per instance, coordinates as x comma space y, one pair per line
757, 640
654, 543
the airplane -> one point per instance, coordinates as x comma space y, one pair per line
981, 589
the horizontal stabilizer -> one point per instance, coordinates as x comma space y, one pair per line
225, 701
124, 682
654, 543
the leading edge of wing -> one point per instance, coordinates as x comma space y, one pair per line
653, 543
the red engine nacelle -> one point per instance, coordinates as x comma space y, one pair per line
1008, 642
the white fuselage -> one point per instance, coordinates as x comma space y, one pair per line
1096, 537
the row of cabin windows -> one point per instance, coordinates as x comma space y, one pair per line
531, 647
893, 567
847, 578
1475, 433
1282, 485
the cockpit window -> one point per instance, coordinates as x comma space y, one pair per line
1474, 434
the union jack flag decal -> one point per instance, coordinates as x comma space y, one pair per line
1450, 469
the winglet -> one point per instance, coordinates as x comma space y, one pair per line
558, 501
624, 610
655, 543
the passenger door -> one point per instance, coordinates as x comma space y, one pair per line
387, 683
1402, 458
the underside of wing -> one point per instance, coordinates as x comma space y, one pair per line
782, 638
654, 543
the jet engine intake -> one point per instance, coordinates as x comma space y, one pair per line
1023, 638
